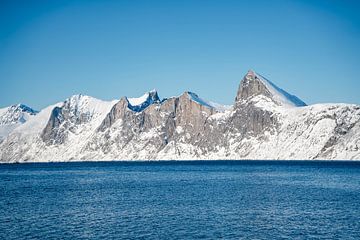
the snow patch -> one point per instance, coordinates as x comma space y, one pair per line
280, 95
139, 100
140, 103
194, 97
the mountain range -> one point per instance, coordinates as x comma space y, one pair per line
265, 122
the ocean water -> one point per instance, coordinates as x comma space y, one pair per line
180, 200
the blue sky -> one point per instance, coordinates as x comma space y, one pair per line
50, 50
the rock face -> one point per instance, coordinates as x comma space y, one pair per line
251, 86
265, 122
254, 84
70, 118
161, 122
139, 104
65, 119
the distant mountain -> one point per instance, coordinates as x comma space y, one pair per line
12, 117
265, 122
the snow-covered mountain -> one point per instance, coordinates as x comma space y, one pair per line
265, 122
12, 117
140, 103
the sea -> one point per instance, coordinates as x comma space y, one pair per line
181, 200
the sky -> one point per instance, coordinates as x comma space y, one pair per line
50, 50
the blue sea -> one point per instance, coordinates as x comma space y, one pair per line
180, 200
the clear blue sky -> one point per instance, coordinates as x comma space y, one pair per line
50, 50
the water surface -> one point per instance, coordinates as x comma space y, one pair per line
180, 200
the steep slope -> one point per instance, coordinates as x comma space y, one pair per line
57, 132
139, 104
265, 122
127, 134
12, 117
254, 84
322, 131
77, 114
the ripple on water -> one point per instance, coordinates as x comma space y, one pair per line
262, 200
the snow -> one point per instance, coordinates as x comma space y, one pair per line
300, 139
12, 117
194, 97
140, 103
78, 103
280, 95
220, 107
222, 116
36, 124
267, 104
19, 113
31, 143
5, 130
3, 110
139, 100
303, 131
179, 130
88, 104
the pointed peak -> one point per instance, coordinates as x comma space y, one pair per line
153, 91
254, 84
251, 73
153, 94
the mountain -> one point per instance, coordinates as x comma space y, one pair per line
12, 117
139, 104
254, 84
265, 122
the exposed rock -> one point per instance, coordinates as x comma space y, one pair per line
251, 86
265, 123
76, 111
139, 104
116, 112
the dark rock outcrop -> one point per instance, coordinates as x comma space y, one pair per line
64, 119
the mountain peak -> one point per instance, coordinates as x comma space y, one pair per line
24, 108
251, 73
76, 97
153, 91
140, 103
153, 94
17, 113
253, 84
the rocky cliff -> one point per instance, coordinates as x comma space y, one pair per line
265, 122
